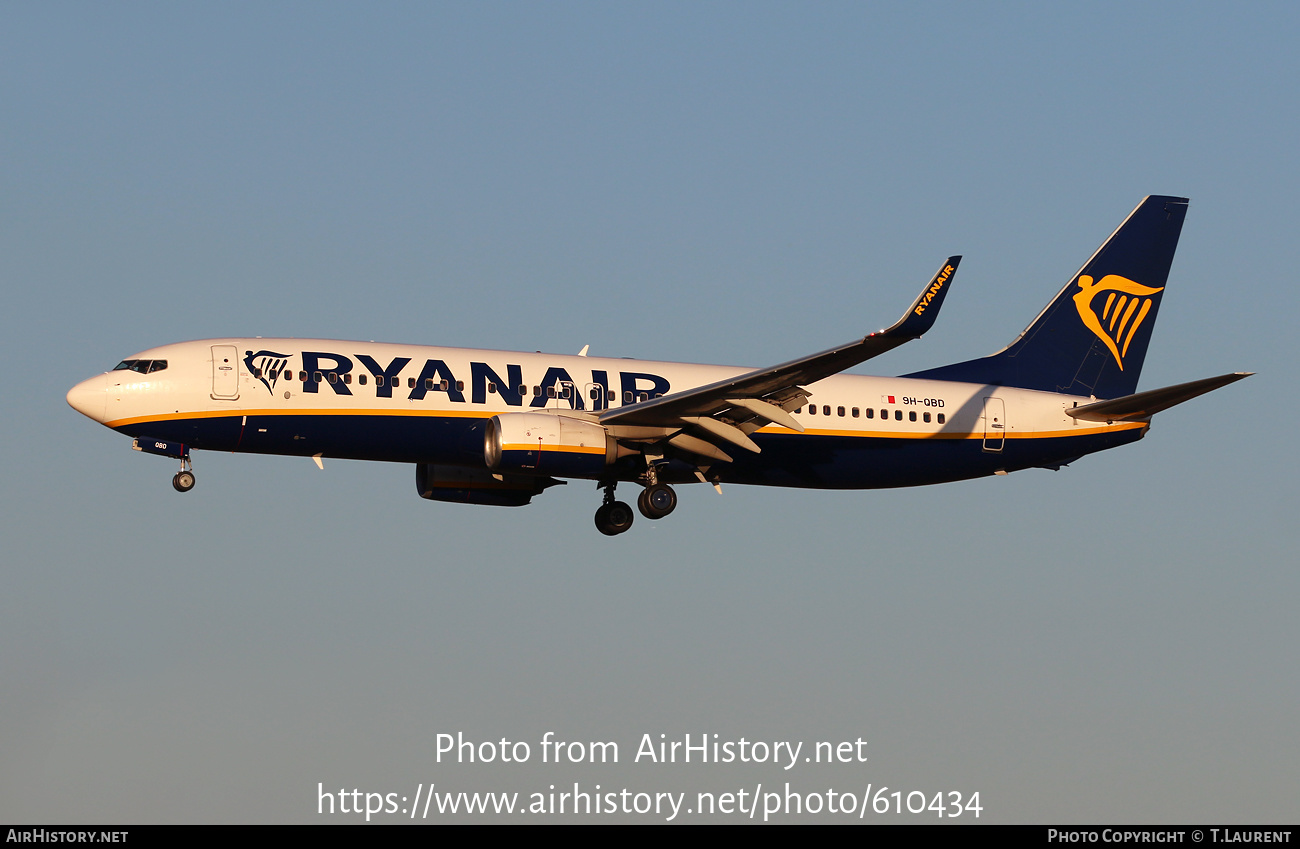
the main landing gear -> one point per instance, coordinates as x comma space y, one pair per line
184, 479
615, 517
657, 501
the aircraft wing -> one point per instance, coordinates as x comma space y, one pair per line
729, 410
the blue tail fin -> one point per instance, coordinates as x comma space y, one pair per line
1092, 338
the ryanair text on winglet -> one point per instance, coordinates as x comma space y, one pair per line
934, 289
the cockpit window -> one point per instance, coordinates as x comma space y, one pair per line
141, 366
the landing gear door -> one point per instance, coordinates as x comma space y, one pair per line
225, 372
995, 424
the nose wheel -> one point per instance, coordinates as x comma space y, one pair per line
184, 479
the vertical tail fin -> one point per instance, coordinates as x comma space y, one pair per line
1092, 338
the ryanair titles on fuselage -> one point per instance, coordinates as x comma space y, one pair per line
335, 371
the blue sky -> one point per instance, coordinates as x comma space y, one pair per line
730, 183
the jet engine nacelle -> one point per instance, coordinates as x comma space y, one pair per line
476, 486
547, 444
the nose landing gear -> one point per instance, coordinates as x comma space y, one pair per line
184, 479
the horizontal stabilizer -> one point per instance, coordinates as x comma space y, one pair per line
1144, 405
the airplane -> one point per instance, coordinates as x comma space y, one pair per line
499, 427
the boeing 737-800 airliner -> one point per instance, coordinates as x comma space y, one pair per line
499, 427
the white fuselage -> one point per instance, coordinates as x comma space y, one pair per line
318, 396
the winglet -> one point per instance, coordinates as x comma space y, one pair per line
787, 378
921, 315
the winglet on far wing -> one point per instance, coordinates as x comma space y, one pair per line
920, 318
779, 384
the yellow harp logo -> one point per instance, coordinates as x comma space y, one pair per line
1126, 307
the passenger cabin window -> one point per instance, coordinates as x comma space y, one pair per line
361, 380
898, 415
410, 382
826, 409
925, 417
911, 416
871, 412
855, 412
940, 417
812, 409
840, 412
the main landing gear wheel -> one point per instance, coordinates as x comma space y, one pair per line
657, 501
184, 481
614, 518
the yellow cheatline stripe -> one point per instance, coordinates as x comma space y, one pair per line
772, 430
226, 414
893, 434
566, 449
1091, 431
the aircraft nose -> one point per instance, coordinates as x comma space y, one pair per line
90, 397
